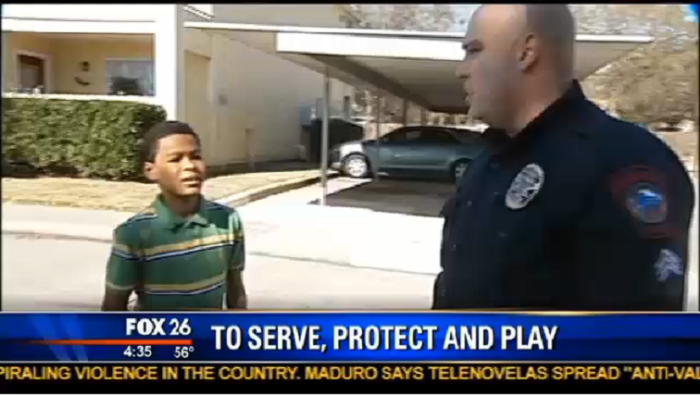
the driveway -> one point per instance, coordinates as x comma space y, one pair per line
422, 198
301, 255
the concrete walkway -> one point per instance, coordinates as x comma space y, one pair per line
286, 226
49, 274
280, 226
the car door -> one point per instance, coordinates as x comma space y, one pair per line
397, 150
435, 150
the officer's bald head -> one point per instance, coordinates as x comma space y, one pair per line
512, 53
554, 25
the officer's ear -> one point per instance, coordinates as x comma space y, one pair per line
528, 53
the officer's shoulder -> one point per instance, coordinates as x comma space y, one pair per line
622, 141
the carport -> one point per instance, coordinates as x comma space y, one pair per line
418, 67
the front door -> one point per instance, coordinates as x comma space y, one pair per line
31, 73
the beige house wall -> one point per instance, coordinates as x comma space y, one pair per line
35, 44
71, 52
199, 110
64, 55
259, 96
246, 104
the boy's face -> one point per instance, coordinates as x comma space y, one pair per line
178, 167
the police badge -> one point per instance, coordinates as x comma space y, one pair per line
525, 186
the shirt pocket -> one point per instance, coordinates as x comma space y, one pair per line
517, 235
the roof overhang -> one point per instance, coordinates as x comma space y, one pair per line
416, 66
423, 69
76, 27
137, 25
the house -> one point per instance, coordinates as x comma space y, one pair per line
246, 104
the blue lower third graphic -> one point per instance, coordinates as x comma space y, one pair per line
351, 337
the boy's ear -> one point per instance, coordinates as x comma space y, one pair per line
149, 170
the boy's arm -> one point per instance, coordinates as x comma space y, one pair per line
235, 290
122, 273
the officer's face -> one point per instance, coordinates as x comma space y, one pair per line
488, 71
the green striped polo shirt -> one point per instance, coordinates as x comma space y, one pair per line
176, 263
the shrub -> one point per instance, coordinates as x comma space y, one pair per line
83, 138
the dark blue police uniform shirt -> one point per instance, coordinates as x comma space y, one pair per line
579, 211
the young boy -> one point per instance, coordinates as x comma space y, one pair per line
183, 252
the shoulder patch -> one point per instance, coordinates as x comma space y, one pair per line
647, 203
667, 265
643, 193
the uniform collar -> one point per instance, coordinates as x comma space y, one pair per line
550, 117
495, 136
171, 220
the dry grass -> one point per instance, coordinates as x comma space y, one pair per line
126, 196
684, 143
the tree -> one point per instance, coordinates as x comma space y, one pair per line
413, 17
656, 83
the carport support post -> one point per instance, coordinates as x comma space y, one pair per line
170, 60
378, 123
404, 115
4, 59
324, 136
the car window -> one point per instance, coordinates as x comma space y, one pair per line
413, 136
438, 137
403, 136
467, 138
395, 136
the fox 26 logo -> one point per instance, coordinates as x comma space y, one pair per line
158, 327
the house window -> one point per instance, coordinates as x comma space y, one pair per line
32, 71
130, 77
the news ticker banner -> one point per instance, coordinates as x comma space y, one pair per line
349, 337
346, 378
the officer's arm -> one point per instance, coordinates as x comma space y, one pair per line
122, 273
439, 290
664, 241
646, 256
235, 290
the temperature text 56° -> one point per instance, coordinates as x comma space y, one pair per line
183, 352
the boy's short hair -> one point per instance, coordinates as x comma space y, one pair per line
149, 145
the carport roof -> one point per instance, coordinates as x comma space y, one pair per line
416, 66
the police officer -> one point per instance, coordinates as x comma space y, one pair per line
574, 210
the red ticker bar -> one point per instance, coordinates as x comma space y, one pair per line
115, 342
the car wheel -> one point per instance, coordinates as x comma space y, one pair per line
458, 169
356, 166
